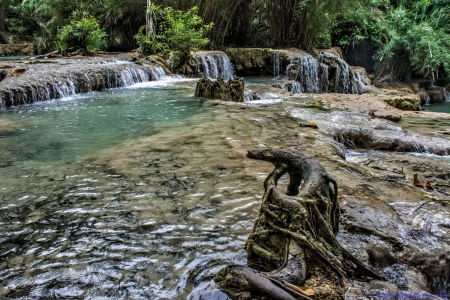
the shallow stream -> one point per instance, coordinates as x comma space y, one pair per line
145, 192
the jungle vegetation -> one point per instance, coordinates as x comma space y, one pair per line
408, 37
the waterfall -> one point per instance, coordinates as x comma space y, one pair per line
250, 95
427, 102
446, 95
276, 64
100, 77
323, 77
358, 87
157, 73
293, 87
308, 74
342, 83
214, 64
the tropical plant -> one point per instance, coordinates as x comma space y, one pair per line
83, 33
179, 31
416, 40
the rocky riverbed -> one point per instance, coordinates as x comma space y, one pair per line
156, 217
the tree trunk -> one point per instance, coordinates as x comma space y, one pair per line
294, 238
150, 20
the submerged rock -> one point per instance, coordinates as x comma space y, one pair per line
233, 90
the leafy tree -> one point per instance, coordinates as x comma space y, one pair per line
83, 32
184, 31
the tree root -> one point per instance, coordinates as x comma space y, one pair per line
294, 238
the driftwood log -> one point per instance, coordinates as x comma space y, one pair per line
293, 243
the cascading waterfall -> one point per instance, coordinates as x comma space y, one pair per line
344, 80
308, 74
293, 87
358, 86
323, 77
290, 68
157, 73
427, 102
446, 95
276, 64
108, 76
215, 65
342, 83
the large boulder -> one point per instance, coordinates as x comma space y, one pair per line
409, 102
233, 90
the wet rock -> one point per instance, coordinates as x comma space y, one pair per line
250, 95
251, 61
156, 59
233, 90
3, 74
411, 102
386, 116
436, 95
15, 262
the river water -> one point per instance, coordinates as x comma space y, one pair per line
439, 107
145, 192
74, 229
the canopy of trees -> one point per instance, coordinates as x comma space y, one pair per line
409, 37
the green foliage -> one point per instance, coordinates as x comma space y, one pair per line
415, 41
360, 22
179, 31
184, 31
83, 32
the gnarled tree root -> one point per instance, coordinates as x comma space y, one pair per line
294, 237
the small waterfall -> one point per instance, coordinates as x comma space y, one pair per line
446, 95
276, 64
358, 87
342, 83
291, 70
157, 73
105, 76
250, 95
215, 65
308, 74
293, 87
323, 77
427, 102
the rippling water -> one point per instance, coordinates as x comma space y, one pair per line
72, 226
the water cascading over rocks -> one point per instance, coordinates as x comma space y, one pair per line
211, 65
40, 83
323, 75
276, 64
340, 77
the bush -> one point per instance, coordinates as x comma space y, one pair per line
179, 31
83, 33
